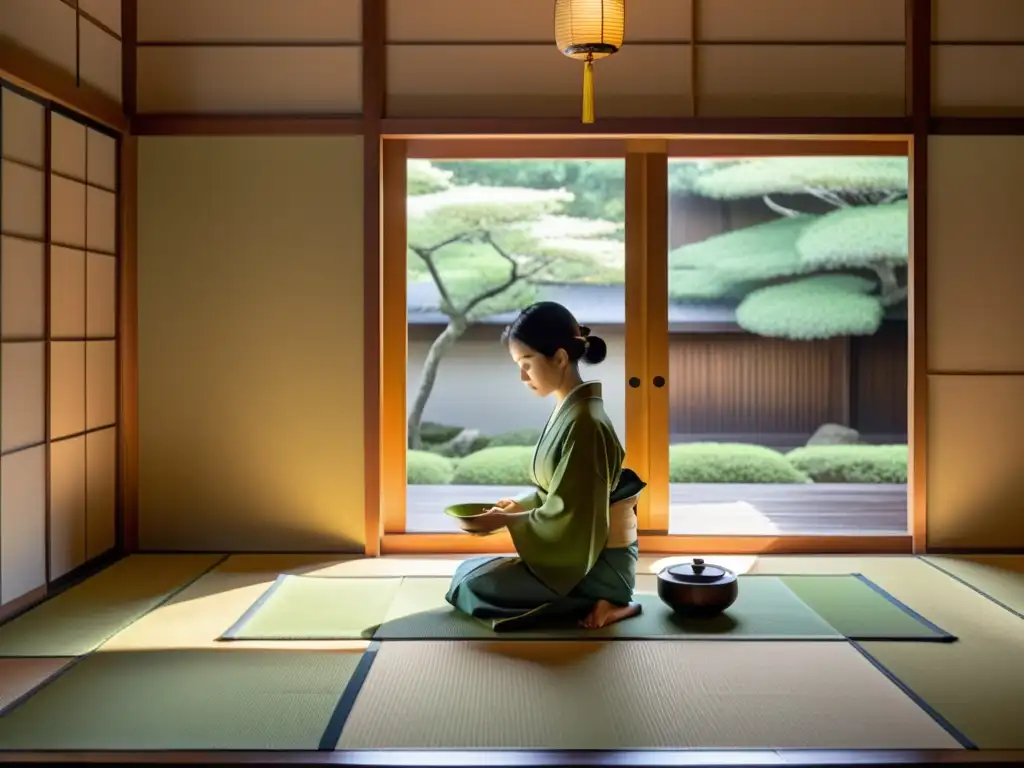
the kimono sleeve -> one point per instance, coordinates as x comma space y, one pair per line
561, 538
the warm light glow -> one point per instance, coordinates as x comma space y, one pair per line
589, 28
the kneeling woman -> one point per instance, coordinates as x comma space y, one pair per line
576, 535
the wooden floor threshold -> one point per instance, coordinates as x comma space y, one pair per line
528, 758
658, 544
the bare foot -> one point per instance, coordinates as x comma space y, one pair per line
604, 614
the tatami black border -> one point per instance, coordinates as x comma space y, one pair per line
942, 636
335, 726
952, 730
977, 590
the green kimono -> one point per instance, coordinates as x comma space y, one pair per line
563, 566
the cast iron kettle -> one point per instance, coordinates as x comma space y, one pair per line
697, 589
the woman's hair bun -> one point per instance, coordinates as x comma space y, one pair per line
596, 350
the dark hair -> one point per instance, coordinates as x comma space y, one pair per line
547, 327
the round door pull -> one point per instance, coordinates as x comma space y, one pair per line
634, 382
659, 381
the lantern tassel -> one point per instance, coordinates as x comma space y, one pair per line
588, 90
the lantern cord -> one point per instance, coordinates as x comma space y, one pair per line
588, 90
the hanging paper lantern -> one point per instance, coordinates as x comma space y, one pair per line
589, 30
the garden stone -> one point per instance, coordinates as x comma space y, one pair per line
834, 434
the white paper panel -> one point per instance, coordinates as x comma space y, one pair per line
24, 129
67, 505
23, 204
101, 169
101, 292
101, 492
67, 388
100, 384
23, 284
23, 382
67, 212
22, 523
67, 293
101, 227
67, 146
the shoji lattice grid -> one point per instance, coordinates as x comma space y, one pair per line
58, 368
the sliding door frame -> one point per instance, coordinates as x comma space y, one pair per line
647, 337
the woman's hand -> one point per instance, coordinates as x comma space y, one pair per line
508, 506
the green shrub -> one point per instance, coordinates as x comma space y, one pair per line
730, 463
432, 433
852, 463
425, 468
526, 436
505, 465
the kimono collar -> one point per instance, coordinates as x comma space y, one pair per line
584, 391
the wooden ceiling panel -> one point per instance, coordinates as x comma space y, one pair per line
106, 12
801, 20
44, 27
534, 81
978, 20
805, 80
978, 80
292, 21
523, 21
99, 59
249, 80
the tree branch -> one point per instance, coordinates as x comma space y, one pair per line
891, 292
829, 197
427, 255
514, 275
780, 209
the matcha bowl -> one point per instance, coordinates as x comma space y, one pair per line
469, 517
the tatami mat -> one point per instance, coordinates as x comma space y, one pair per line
79, 620
197, 616
184, 700
860, 609
19, 676
765, 609
976, 683
633, 695
999, 577
317, 608
327, 566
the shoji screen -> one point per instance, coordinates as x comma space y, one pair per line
23, 483
59, 352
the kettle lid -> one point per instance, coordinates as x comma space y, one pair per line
698, 572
